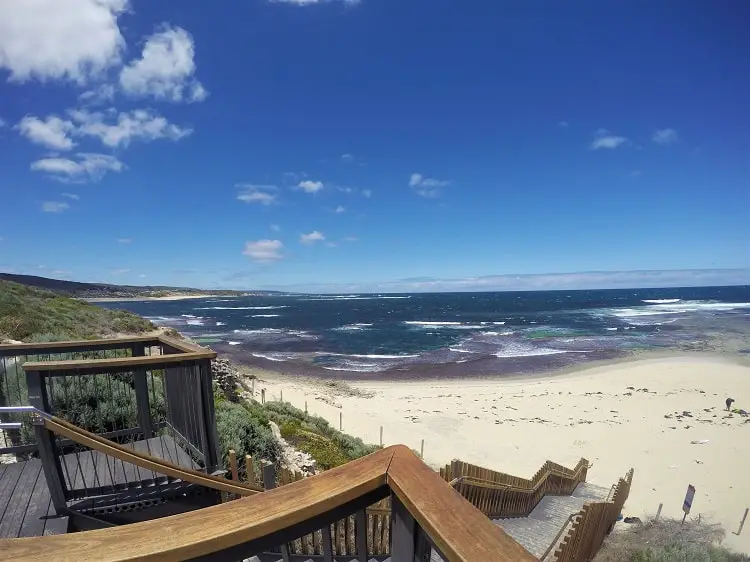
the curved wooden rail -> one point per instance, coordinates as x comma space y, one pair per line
461, 532
146, 461
483, 483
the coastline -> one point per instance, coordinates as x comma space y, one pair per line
167, 298
618, 414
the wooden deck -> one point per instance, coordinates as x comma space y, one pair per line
25, 505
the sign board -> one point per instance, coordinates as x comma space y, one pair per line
687, 504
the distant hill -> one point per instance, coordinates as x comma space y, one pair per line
32, 314
105, 290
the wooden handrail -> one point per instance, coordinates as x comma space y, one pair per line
204, 531
83, 345
460, 531
482, 483
146, 461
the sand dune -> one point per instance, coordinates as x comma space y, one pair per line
643, 414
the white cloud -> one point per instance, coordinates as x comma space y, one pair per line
351, 239
253, 193
562, 124
142, 276
332, 244
55, 206
52, 132
426, 187
142, 124
367, 193
312, 238
72, 196
124, 240
275, 228
264, 250
309, 186
2, 123
87, 167
604, 139
665, 136
339, 210
101, 94
52, 39
347, 157
165, 69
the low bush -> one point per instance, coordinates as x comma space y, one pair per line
668, 541
238, 429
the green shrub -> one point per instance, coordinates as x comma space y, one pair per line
238, 429
31, 314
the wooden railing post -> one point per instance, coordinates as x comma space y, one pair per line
211, 452
403, 532
46, 443
140, 384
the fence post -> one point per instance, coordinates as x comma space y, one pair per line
421, 450
269, 476
252, 388
249, 470
742, 523
140, 384
305, 407
381, 435
341, 421
658, 512
281, 395
262, 395
46, 443
233, 465
211, 452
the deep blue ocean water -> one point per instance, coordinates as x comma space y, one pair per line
458, 334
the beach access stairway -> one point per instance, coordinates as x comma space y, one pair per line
543, 527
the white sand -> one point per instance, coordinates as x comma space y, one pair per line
136, 299
515, 425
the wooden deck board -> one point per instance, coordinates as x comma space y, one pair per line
26, 509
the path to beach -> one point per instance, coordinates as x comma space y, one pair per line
618, 416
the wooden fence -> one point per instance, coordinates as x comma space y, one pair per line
593, 524
497, 494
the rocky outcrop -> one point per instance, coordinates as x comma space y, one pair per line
227, 377
292, 459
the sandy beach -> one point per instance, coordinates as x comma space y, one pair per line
665, 417
136, 299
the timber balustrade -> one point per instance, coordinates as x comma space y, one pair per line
497, 494
427, 514
152, 394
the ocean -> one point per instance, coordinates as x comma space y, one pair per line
457, 334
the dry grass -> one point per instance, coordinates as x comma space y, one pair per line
668, 541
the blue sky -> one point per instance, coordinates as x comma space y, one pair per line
378, 144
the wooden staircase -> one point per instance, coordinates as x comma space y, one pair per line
543, 527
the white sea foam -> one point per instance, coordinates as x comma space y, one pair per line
266, 315
499, 323
459, 350
661, 301
277, 333
234, 342
269, 357
446, 325
681, 307
241, 308
611, 329
221, 323
189, 316
353, 327
195, 322
508, 333
525, 350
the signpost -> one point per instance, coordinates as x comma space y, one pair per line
687, 504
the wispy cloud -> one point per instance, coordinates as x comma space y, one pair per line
312, 238
665, 136
275, 228
51, 132
124, 240
351, 239
367, 193
120, 129
544, 282
256, 193
347, 157
563, 124
72, 196
604, 139
120, 271
264, 250
339, 210
55, 206
309, 186
87, 167
426, 187
165, 69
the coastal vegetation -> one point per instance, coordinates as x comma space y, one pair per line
30, 314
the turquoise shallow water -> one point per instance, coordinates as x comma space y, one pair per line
452, 333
